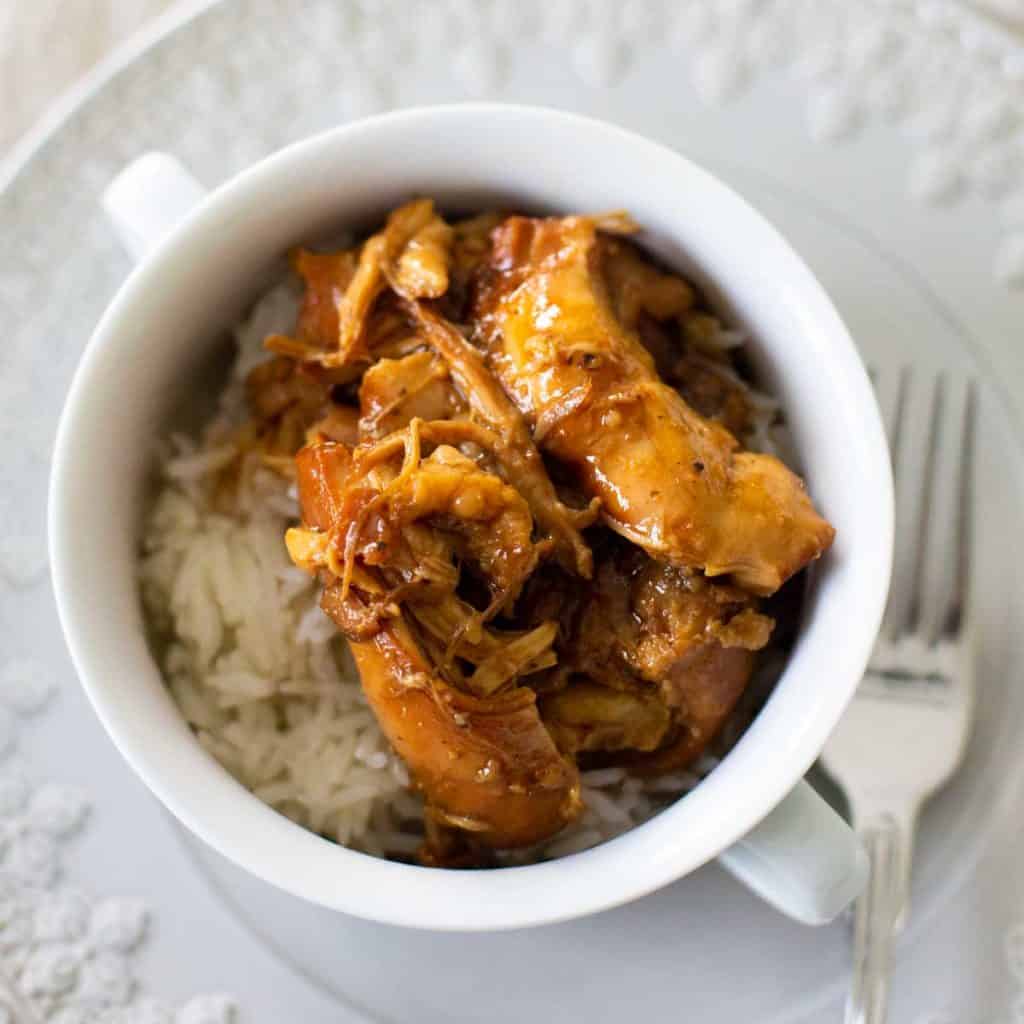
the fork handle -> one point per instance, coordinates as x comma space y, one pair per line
875, 917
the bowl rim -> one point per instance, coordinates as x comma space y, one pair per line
241, 827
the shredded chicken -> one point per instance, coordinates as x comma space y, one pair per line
657, 634
669, 480
636, 286
420, 251
527, 472
394, 391
515, 614
376, 491
476, 745
326, 277
486, 765
588, 717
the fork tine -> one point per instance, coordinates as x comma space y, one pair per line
912, 460
961, 550
938, 566
890, 384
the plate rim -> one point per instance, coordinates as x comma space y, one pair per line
56, 114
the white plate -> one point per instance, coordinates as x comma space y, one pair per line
841, 154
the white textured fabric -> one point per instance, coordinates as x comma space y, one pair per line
46, 45
1011, 10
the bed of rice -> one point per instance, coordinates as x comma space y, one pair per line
259, 672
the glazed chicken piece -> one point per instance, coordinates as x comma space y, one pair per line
652, 660
410, 256
700, 370
486, 766
289, 401
373, 518
670, 480
326, 277
338, 423
521, 461
395, 391
636, 287
284, 400
395, 487
713, 390
499, 645
696, 641
471, 250
587, 717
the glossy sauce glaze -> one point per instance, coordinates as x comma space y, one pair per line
513, 442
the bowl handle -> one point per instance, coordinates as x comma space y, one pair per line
802, 858
147, 199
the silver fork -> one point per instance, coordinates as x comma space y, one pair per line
905, 730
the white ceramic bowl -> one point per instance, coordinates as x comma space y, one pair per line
150, 350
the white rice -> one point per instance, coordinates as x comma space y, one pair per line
259, 671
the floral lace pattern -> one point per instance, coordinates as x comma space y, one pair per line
65, 957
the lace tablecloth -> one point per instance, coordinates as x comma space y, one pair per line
72, 35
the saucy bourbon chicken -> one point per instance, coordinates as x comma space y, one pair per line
518, 450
